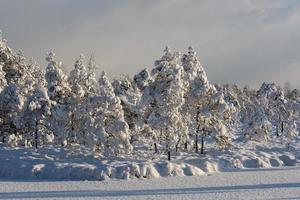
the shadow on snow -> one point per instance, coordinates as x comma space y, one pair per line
156, 192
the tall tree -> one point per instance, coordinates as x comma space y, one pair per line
129, 95
34, 118
3, 82
59, 92
11, 105
108, 129
167, 91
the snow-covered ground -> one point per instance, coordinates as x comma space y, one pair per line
277, 183
79, 163
247, 171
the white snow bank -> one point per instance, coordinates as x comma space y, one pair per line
279, 183
76, 164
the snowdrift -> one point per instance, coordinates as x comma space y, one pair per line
51, 163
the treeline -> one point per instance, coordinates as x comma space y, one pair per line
171, 108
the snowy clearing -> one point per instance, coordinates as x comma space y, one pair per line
276, 183
52, 163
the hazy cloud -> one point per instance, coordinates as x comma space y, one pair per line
238, 41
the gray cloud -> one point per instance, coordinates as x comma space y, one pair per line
238, 41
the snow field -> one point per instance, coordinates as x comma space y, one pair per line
55, 164
280, 183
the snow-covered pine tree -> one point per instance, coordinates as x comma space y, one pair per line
143, 79
108, 128
293, 95
11, 105
167, 93
78, 78
230, 96
3, 82
197, 90
91, 82
247, 100
58, 87
36, 74
78, 84
14, 65
59, 92
83, 85
129, 95
15, 86
34, 120
273, 99
204, 108
258, 127
146, 104
221, 113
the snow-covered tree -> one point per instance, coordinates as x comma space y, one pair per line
272, 98
15, 85
205, 109
59, 92
107, 128
168, 96
3, 82
196, 86
34, 118
78, 84
36, 74
58, 87
78, 78
129, 95
59, 123
91, 83
143, 79
258, 128
294, 95
11, 105
14, 65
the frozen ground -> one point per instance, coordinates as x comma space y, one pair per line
77, 163
273, 183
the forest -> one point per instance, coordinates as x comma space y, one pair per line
169, 108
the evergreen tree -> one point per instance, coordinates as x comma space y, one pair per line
2, 78
58, 87
91, 83
11, 105
59, 92
167, 90
111, 134
34, 118
129, 95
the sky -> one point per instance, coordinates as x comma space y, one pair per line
245, 42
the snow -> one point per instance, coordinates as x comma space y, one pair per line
276, 183
80, 163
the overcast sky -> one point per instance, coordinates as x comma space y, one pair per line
237, 41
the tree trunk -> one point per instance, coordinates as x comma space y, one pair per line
169, 155
36, 135
73, 134
198, 129
202, 144
177, 144
185, 146
277, 131
155, 148
282, 127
